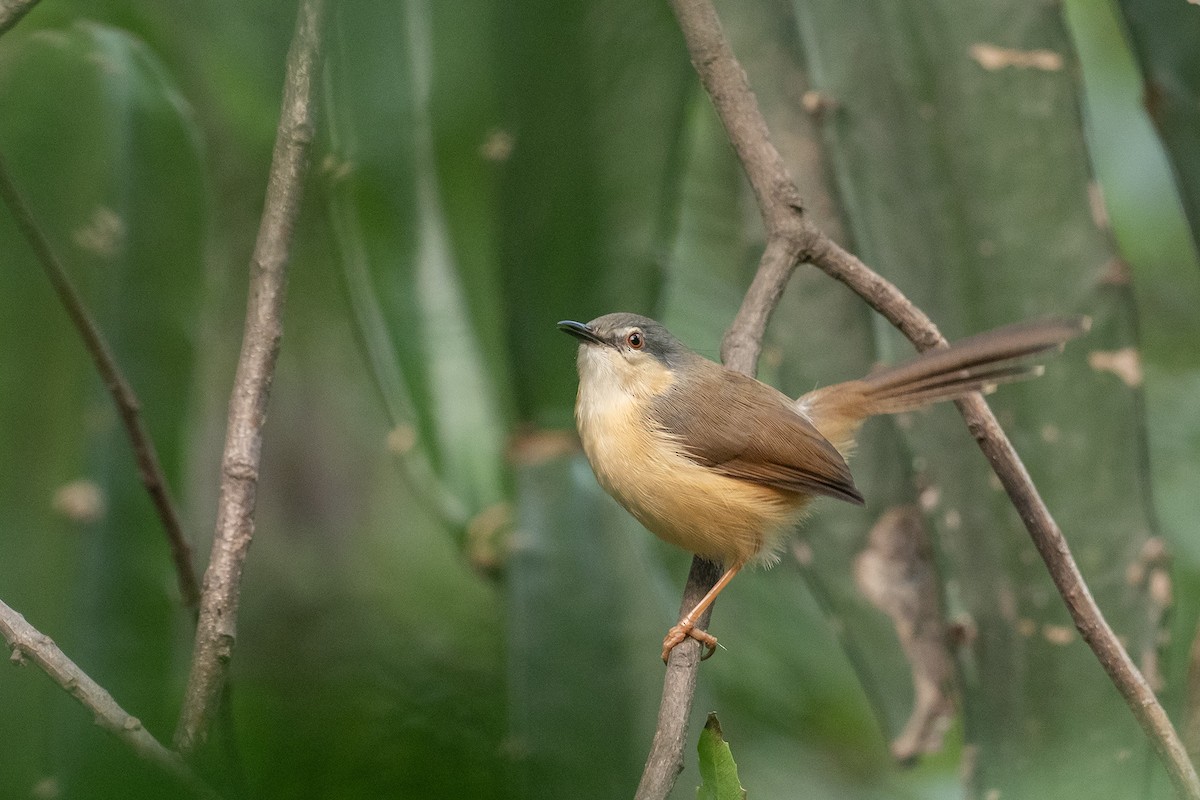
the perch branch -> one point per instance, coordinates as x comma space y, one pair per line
11, 12
679, 688
29, 644
1047, 536
792, 238
216, 630
149, 468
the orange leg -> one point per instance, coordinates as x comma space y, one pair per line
687, 624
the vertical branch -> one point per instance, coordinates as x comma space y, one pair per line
779, 202
791, 239
216, 631
28, 643
679, 689
149, 468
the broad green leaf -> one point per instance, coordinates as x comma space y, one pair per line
104, 148
418, 281
1148, 222
594, 103
1162, 35
412, 704
583, 636
960, 161
717, 767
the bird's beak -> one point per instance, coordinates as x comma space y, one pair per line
580, 331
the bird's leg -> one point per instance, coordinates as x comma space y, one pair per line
687, 623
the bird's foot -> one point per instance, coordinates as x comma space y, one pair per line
682, 631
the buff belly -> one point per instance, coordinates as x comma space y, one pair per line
720, 518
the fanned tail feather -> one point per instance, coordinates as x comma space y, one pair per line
976, 363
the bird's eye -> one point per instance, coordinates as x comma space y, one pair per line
634, 340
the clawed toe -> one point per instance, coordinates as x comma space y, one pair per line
683, 630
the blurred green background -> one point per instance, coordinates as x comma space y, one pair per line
439, 601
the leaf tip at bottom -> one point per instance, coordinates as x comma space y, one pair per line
718, 771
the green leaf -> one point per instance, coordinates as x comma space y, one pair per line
593, 105
1144, 203
420, 279
1164, 35
959, 158
718, 771
584, 621
105, 150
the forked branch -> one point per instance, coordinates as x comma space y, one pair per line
792, 238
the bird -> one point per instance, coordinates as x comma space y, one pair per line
722, 465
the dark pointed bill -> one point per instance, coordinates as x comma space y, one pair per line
580, 331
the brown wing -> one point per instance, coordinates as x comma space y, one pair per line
747, 430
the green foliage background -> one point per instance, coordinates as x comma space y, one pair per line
440, 602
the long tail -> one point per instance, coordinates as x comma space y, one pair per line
969, 365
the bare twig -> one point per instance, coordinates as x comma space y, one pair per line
217, 628
11, 12
149, 468
792, 239
28, 643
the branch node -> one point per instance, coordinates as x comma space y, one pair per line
779, 205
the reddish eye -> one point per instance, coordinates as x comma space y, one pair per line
634, 340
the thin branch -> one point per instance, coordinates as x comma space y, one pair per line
11, 12
216, 631
29, 644
679, 689
129, 407
793, 239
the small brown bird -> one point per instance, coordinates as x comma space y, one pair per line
722, 465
